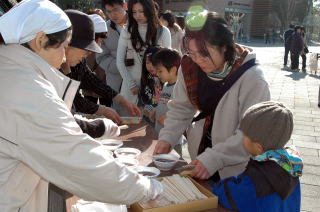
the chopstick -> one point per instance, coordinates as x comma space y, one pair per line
123, 127
185, 167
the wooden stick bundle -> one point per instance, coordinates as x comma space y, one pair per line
177, 190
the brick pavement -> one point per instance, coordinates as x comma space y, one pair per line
298, 91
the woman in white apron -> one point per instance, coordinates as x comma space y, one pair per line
40, 142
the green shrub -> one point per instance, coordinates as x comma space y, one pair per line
82, 5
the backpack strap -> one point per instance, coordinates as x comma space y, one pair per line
240, 71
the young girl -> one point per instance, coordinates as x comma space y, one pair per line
143, 30
169, 20
150, 84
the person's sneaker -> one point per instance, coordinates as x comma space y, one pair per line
304, 70
285, 68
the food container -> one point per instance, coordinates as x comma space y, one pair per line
150, 172
165, 162
131, 120
197, 205
111, 144
127, 152
127, 161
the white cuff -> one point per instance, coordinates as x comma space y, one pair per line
111, 129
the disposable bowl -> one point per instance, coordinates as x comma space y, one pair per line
150, 172
111, 144
127, 161
165, 162
127, 152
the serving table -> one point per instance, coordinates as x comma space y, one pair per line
143, 137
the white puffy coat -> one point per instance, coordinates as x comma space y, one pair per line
40, 141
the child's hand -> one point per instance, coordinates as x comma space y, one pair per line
152, 116
145, 112
149, 114
200, 171
161, 119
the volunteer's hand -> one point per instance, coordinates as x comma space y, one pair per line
162, 147
200, 171
156, 189
109, 113
131, 108
111, 129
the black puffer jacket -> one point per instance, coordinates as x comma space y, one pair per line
296, 43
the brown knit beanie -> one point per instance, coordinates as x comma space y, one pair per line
268, 123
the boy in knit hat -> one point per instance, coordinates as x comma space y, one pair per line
270, 181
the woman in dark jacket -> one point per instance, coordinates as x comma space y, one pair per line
77, 69
296, 48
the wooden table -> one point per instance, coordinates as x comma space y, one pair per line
143, 137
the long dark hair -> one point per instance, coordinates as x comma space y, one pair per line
57, 38
171, 19
153, 24
214, 32
147, 80
181, 22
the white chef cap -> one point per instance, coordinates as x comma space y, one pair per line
22, 23
99, 24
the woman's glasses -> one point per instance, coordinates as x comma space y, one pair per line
196, 55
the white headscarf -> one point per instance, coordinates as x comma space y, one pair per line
99, 24
22, 23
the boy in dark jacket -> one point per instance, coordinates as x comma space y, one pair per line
270, 181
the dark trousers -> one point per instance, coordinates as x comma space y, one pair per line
294, 60
304, 61
56, 199
268, 40
286, 52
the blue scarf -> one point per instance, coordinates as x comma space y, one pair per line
288, 158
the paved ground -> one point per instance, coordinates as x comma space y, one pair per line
298, 91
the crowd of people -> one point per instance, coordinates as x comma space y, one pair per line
193, 84
295, 43
271, 36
